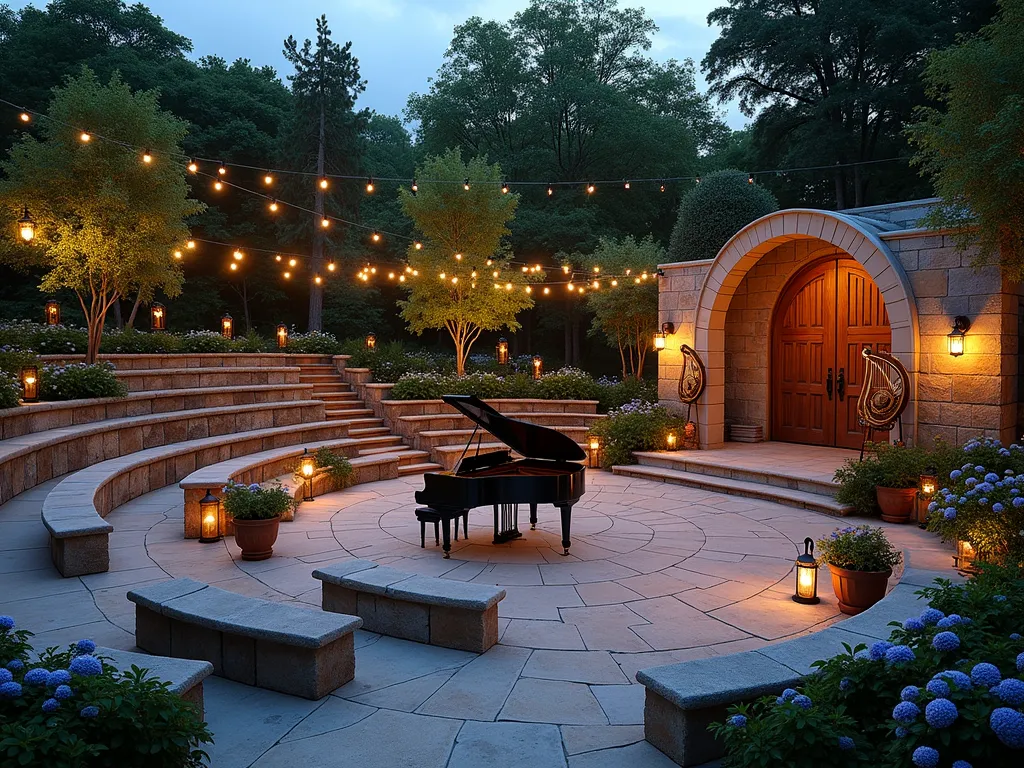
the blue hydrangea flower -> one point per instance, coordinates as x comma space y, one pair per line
879, 648
10, 690
58, 677
6, 623
962, 764
863, 654
945, 641
959, 679
932, 506
950, 621
1020, 662
788, 694
1018, 501
15, 665
970, 482
991, 477
901, 732
804, 702
999, 598
1015, 635
906, 712
780, 700
737, 721
845, 683
36, 676
899, 654
910, 693
949, 513
5, 675
89, 711
978, 468
931, 616
997, 507
50, 706
937, 687
925, 757
1008, 726
846, 743
985, 675
956, 474
1010, 691
63, 692
940, 713
86, 666
913, 624
83, 647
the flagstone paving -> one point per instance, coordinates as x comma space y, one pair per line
658, 573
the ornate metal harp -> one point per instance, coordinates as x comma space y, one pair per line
693, 378
884, 394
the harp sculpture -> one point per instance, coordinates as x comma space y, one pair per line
692, 380
884, 395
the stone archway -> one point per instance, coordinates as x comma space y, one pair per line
850, 234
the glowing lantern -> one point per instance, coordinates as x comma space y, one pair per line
30, 384
671, 441
501, 351
26, 226
52, 312
956, 336
538, 366
282, 336
306, 467
594, 451
807, 576
371, 341
209, 518
659, 340
157, 317
227, 327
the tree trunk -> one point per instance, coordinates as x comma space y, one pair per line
316, 292
622, 355
117, 316
95, 315
135, 309
245, 305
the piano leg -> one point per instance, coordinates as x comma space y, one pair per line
446, 533
566, 510
533, 517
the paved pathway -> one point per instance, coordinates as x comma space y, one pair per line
658, 573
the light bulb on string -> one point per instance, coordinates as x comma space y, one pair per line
662, 188
373, 270
697, 180
147, 157
595, 285
292, 262
238, 255
401, 278
443, 276
325, 222
525, 270
222, 170
636, 280
414, 187
565, 268
750, 179
375, 237
85, 137
370, 186
178, 255
277, 257
465, 184
551, 190
625, 184
615, 283
473, 274
234, 266
273, 206
391, 275
597, 269
547, 290
287, 275
528, 289
191, 245
495, 273
415, 273
591, 188
331, 266
323, 184
458, 257
455, 281
218, 185
570, 287
317, 279
268, 178
25, 117
504, 187
193, 166
508, 286
418, 245
489, 262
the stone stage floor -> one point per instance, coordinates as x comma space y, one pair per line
657, 573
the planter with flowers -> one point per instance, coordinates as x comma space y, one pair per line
860, 560
885, 481
255, 513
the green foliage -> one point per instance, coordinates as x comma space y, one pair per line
635, 426
885, 466
44, 339
13, 359
252, 342
10, 390
567, 384
314, 343
337, 466
969, 145
391, 361
615, 394
715, 210
77, 381
206, 341
256, 502
859, 549
132, 342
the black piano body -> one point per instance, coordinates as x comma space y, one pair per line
549, 473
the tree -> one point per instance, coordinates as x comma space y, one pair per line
713, 211
835, 80
324, 136
972, 148
627, 315
106, 222
480, 291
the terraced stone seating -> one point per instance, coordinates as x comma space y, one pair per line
683, 699
74, 509
185, 676
267, 644
427, 609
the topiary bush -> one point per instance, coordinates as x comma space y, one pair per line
76, 381
636, 426
715, 210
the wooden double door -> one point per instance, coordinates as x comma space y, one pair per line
828, 313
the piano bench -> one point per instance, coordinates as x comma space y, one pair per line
426, 515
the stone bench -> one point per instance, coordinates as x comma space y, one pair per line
184, 676
277, 646
453, 614
74, 509
683, 699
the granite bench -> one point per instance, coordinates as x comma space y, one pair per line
267, 644
683, 699
427, 609
184, 676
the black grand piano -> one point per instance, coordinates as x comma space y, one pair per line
548, 474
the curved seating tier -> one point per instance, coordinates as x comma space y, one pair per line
129, 362
229, 376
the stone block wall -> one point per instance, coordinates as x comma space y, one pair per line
678, 293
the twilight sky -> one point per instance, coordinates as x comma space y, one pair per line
399, 43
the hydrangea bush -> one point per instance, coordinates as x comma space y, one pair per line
75, 381
945, 691
10, 390
45, 339
69, 708
313, 343
636, 426
200, 342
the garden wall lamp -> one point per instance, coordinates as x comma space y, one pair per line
538, 366
501, 351
371, 341
158, 317
209, 517
807, 576
593, 451
227, 327
306, 467
667, 329
52, 312
282, 336
26, 227
956, 336
30, 384
929, 483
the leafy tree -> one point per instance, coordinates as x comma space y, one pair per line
106, 223
972, 149
627, 315
713, 211
834, 80
463, 296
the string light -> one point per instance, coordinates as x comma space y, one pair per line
625, 185
193, 166
551, 190
458, 257
597, 268
222, 169
418, 245
147, 157
178, 255
662, 186
495, 273
465, 184
85, 137
697, 180
317, 279
489, 262
595, 285
414, 187
331, 266
191, 245
375, 237
750, 179
615, 283
570, 287
591, 188
323, 183
292, 262
325, 222
238, 255
565, 268
369, 186
218, 185
287, 275
234, 266
529, 289
504, 187
268, 179
401, 278
277, 257
443, 276
25, 117
546, 290
508, 286
273, 206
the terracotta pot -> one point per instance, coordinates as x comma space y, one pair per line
897, 503
858, 590
256, 537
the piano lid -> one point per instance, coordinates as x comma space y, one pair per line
529, 440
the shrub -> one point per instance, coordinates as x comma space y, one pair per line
69, 708
337, 466
614, 393
568, 384
44, 339
859, 549
76, 381
200, 342
636, 426
132, 342
254, 502
13, 359
10, 390
888, 466
314, 343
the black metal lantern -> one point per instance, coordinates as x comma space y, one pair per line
282, 336
227, 327
594, 451
158, 317
538, 366
26, 227
956, 336
209, 518
927, 486
306, 467
52, 312
667, 329
807, 576
371, 341
501, 351
30, 384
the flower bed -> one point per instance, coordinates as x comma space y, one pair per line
635, 426
76, 381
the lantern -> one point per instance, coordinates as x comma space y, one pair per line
659, 340
927, 485
594, 451
371, 341
158, 317
956, 336
52, 312
538, 366
965, 556
671, 441
282, 336
807, 576
26, 227
227, 327
501, 351
667, 329
306, 467
30, 384
209, 518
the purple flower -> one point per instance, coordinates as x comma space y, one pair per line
937, 687
899, 654
913, 625
910, 693
10, 690
985, 675
84, 647
945, 641
58, 677
86, 666
737, 721
959, 679
6, 623
931, 616
925, 757
905, 712
804, 702
5, 675
846, 743
50, 706
879, 648
89, 711
1010, 691
36, 676
1008, 726
63, 692
940, 713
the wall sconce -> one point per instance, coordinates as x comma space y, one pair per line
157, 317
282, 336
26, 227
306, 467
538, 366
594, 452
371, 341
667, 329
501, 351
956, 336
52, 312
227, 327
807, 576
209, 518
30, 384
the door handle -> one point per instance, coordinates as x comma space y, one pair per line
828, 384
841, 384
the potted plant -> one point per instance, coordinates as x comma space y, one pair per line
255, 514
889, 477
860, 560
